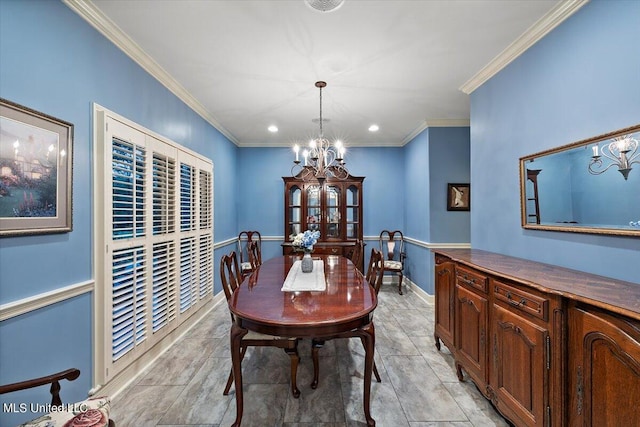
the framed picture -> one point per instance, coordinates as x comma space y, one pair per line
35, 172
458, 197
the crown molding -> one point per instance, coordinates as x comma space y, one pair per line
538, 30
435, 123
94, 16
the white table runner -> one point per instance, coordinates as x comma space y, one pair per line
298, 281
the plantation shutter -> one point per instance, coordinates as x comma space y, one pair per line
158, 238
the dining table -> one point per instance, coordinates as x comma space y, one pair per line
339, 303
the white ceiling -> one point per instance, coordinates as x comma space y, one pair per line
404, 65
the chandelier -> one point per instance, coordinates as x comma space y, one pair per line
322, 159
622, 151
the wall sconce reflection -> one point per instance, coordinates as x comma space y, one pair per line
622, 151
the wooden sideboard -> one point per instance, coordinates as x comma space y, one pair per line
549, 346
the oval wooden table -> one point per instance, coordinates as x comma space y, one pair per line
346, 305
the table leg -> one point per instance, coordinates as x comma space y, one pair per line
368, 336
236, 360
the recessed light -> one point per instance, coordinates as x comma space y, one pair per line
273, 128
374, 128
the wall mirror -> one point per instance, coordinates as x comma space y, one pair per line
591, 186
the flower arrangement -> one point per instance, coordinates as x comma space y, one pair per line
305, 241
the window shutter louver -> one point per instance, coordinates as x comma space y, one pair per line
187, 197
128, 176
129, 287
164, 282
163, 194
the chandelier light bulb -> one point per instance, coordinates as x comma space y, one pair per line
620, 153
296, 149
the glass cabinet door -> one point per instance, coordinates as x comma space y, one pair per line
332, 205
314, 214
352, 209
295, 210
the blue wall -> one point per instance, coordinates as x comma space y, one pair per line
434, 158
54, 62
261, 200
580, 81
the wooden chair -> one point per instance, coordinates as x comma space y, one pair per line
392, 248
374, 277
356, 254
231, 279
255, 255
244, 238
98, 408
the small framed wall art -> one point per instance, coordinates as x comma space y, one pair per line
458, 197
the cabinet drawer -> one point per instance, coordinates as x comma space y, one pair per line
528, 302
329, 250
471, 278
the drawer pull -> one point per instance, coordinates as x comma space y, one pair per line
514, 302
334, 250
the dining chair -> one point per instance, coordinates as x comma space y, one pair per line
244, 238
96, 409
374, 277
255, 255
356, 253
231, 278
392, 248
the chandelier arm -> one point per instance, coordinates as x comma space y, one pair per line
608, 153
633, 154
598, 162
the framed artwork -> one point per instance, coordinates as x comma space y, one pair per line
458, 197
35, 172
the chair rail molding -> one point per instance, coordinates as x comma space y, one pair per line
25, 305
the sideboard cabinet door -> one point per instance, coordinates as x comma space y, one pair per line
471, 312
604, 368
444, 296
519, 370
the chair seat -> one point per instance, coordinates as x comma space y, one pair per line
246, 266
93, 412
392, 265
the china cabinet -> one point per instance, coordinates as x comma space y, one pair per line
549, 346
334, 208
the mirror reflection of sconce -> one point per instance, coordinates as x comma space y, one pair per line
622, 151
561, 191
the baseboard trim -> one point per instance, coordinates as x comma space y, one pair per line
417, 290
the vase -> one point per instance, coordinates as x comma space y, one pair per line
306, 265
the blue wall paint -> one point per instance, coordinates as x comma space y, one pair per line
261, 200
60, 67
41, 343
418, 188
581, 80
435, 157
449, 155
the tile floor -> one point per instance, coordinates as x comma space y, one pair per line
419, 387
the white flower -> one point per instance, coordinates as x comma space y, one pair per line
305, 240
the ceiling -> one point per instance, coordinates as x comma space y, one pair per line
403, 65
